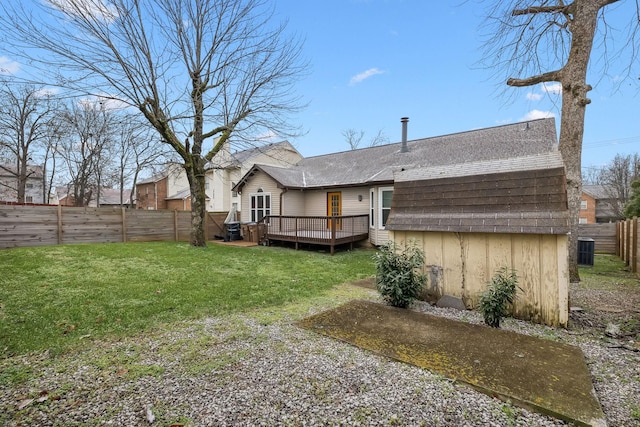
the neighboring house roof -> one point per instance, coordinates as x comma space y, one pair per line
606, 202
598, 191
154, 178
525, 194
182, 195
244, 156
111, 196
376, 165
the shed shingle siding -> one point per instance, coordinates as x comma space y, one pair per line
530, 201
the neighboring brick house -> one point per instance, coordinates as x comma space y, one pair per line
9, 184
598, 205
151, 193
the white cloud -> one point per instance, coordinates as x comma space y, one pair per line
108, 103
7, 66
364, 75
537, 114
94, 9
43, 93
552, 88
534, 96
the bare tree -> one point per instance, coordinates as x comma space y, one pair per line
354, 138
531, 37
617, 177
137, 149
198, 71
83, 151
25, 114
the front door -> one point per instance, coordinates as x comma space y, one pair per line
334, 208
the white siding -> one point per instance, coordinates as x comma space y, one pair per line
268, 185
293, 203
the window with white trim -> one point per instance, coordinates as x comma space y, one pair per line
384, 205
260, 205
583, 204
582, 220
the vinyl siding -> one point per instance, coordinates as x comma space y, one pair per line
268, 185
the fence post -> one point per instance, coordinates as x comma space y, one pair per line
175, 225
59, 224
124, 225
634, 246
627, 241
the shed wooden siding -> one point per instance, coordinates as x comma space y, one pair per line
469, 260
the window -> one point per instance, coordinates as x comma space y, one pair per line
233, 193
29, 185
260, 205
384, 197
28, 199
583, 220
583, 204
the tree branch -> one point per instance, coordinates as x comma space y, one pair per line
540, 9
552, 76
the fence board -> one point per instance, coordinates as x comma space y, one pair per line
50, 225
604, 236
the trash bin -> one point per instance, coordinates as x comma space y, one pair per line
586, 250
233, 231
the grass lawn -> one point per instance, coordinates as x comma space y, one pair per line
56, 298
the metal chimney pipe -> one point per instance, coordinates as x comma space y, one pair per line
404, 121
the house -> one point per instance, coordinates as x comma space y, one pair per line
107, 197
598, 204
361, 182
170, 189
474, 218
164, 190
33, 192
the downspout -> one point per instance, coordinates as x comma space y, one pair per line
284, 190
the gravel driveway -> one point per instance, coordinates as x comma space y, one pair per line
260, 370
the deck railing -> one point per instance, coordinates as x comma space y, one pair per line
321, 230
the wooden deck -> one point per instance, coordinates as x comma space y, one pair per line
317, 230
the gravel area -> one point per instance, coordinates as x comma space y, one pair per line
262, 370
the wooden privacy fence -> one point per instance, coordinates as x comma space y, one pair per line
55, 225
604, 236
627, 249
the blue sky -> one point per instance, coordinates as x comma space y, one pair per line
375, 61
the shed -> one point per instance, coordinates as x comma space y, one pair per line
471, 219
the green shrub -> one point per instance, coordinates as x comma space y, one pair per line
501, 292
398, 273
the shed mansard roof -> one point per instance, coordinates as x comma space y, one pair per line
377, 165
526, 194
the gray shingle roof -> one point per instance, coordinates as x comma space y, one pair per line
376, 165
598, 191
519, 195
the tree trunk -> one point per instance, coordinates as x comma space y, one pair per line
574, 103
196, 177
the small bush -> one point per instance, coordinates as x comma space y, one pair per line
398, 276
501, 292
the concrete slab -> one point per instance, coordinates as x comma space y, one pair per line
541, 375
